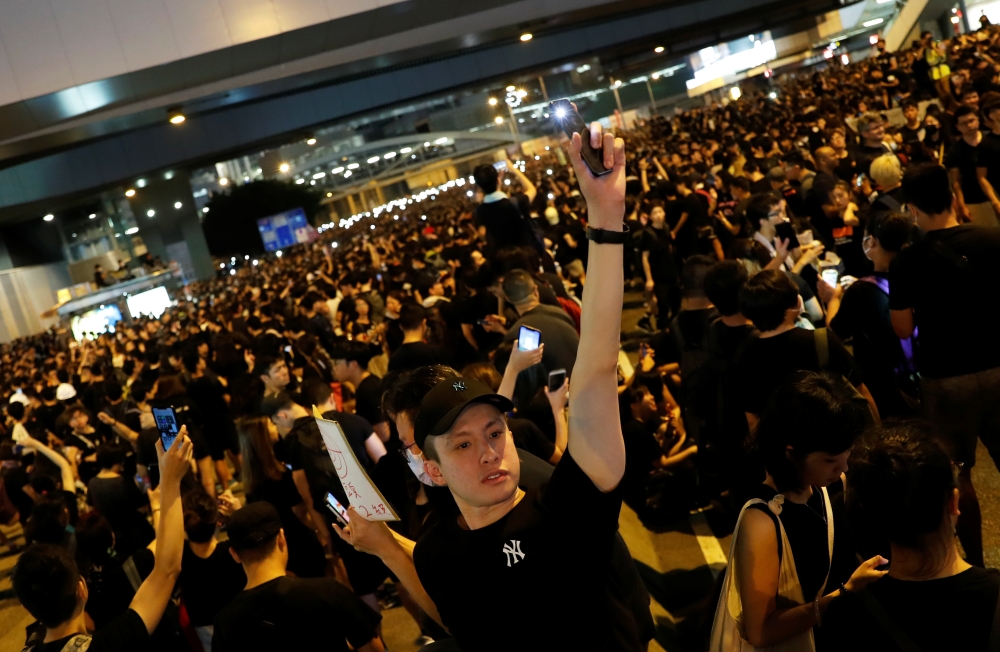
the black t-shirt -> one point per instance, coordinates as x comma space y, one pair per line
305, 555
504, 224
948, 298
687, 236
48, 414
767, 362
641, 450
304, 450
475, 308
368, 399
951, 613
125, 634
558, 334
207, 396
533, 558
965, 158
357, 430
661, 260
412, 355
295, 614
209, 584
530, 437
865, 155
989, 158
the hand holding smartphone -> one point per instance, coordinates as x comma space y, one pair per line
556, 379
338, 509
528, 338
167, 425
566, 116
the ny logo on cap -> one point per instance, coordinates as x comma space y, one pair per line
459, 386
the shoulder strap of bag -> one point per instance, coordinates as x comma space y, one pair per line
828, 507
994, 645
822, 342
132, 573
883, 618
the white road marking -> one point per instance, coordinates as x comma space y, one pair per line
709, 544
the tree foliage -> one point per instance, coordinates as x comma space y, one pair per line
230, 225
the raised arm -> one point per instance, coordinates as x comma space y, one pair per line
65, 468
519, 361
529, 188
595, 432
151, 598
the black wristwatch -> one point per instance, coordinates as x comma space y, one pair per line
603, 236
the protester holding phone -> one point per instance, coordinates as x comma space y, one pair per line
555, 328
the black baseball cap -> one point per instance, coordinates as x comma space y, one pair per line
252, 525
442, 405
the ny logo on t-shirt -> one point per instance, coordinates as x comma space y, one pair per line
513, 551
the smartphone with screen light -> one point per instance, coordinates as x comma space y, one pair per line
338, 509
528, 339
167, 425
830, 275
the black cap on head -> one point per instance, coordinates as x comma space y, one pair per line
442, 405
252, 525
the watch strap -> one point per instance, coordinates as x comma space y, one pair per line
603, 236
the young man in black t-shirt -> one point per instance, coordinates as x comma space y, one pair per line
962, 161
415, 351
47, 581
499, 217
275, 612
938, 286
518, 554
350, 365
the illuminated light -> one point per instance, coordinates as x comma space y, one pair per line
168, 175
255, 261
373, 227
141, 183
773, 95
92, 216
312, 183
311, 141
469, 193
827, 54
493, 101
300, 181
423, 217
395, 217
232, 272
547, 148
389, 155
873, 39
150, 213
337, 170
735, 93
223, 181
347, 174
128, 193
873, 22
374, 159
506, 182
319, 175
658, 49
844, 59
284, 167
509, 89
177, 204
49, 217
177, 119
560, 113
549, 172
440, 141
329, 194
618, 83
655, 76
498, 120
426, 144
955, 19
353, 166
406, 150
537, 157
551, 196
278, 253
526, 37
134, 229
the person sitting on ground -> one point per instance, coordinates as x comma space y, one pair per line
47, 581
415, 351
276, 612
904, 482
558, 331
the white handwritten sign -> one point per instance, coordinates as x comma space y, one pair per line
361, 492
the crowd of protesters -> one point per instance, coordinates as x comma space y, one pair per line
813, 273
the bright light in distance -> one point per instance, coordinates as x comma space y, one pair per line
284, 167
222, 265
423, 217
150, 213
493, 101
873, 22
373, 159
353, 166
373, 227
735, 93
389, 155
873, 39
549, 172
223, 181
337, 170
537, 157
347, 174
844, 59
498, 120
319, 175
618, 83
526, 37
278, 253
128, 193
311, 141
551, 196
395, 217
658, 49
509, 89
300, 181
954, 19
92, 216
49, 217
506, 182
134, 229
469, 193
655, 76
426, 144
406, 150
246, 257
441, 141
177, 119
177, 204
232, 272
204, 210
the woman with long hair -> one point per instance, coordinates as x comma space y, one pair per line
786, 561
904, 488
267, 479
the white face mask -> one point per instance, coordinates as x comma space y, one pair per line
416, 464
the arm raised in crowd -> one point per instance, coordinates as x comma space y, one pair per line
151, 598
65, 468
519, 361
595, 432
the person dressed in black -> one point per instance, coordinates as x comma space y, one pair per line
279, 612
208, 395
415, 351
500, 218
119, 500
903, 487
658, 266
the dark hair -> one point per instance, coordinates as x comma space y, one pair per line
263, 364
723, 283
316, 392
113, 390
964, 110
485, 373
693, 274
891, 229
48, 520
140, 390
95, 540
740, 182
411, 316
968, 90
353, 351
259, 461
405, 393
518, 285
15, 410
169, 385
48, 393
908, 103
45, 580
191, 360
759, 208
486, 177
902, 478
200, 515
109, 455
810, 412
927, 187
766, 298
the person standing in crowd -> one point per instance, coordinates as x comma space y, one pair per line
962, 162
502, 219
936, 284
350, 365
558, 331
903, 484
